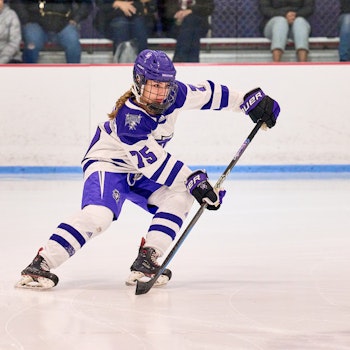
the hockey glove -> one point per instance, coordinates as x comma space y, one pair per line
197, 184
260, 106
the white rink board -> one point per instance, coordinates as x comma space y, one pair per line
48, 114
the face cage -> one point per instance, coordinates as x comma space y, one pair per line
155, 107
160, 107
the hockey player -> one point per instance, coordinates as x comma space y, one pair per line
127, 160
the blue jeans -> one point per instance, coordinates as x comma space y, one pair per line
188, 36
35, 38
344, 37
129, 28
279, 31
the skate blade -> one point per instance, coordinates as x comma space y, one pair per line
139, 276
37, 283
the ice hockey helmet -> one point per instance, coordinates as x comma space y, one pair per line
154, 65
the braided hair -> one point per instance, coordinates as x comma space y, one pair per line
120, 103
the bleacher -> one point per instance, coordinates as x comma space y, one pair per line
235, 36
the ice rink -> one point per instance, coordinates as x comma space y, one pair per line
270, 270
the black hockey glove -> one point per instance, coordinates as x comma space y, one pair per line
197, 184
260, 106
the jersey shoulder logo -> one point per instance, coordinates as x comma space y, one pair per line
132, 120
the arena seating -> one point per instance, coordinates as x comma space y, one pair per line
235, 35
241, 18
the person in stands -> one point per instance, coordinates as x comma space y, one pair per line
344, 31
187, 21
127, 24
10, 35
51, 21
287, 19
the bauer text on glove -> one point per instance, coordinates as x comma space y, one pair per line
197, 184
260, 107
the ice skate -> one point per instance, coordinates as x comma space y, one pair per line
145, 266
37, 275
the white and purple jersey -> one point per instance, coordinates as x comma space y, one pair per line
134, 141
124, 149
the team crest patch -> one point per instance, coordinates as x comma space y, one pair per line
132, 120
116, 195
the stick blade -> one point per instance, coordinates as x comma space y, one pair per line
143, 287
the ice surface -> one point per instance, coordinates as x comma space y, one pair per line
270, 270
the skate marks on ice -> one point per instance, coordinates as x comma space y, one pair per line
268, 271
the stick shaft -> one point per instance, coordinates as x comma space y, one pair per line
238, 155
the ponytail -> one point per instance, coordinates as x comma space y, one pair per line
120, 103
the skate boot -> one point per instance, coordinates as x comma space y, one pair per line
146, 265
37, 275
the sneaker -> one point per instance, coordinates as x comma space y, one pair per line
37, 275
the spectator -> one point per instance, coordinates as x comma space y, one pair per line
10, 35
344, 31
51, 21
125, 21
186, 21
287, 19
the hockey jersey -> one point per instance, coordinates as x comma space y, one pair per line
134, 142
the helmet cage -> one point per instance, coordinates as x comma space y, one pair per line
159, 108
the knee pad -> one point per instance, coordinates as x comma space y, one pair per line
72, 234
92, 220
167, 200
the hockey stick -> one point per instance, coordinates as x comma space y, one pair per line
144, 287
